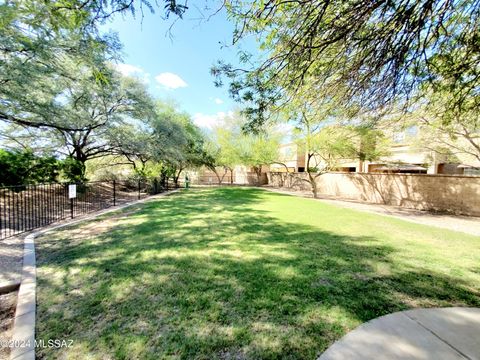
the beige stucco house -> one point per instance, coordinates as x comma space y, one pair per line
404, 156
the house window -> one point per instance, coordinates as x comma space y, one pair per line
471, 171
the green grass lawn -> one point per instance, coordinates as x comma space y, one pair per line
237, 273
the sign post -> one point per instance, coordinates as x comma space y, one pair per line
72, 194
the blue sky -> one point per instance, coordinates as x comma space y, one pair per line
178, 68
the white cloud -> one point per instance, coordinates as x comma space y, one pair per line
129, 70
210, 121
135, 71
218, 101
170, 80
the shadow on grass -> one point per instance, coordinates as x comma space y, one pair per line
207, 275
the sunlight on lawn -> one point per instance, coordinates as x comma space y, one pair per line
263, 275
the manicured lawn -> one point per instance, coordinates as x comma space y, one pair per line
234, 273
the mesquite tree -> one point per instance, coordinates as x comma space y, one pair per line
380, 49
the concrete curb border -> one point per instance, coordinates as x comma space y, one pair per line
23, 335
23, 332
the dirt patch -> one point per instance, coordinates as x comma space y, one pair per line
11, 260
8, 303
29, 207
78, 232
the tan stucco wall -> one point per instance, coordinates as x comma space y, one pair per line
453, 194
241, 176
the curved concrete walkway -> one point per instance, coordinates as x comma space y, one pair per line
436, 334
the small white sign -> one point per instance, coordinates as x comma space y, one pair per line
72, 191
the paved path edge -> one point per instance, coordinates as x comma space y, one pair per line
335, 350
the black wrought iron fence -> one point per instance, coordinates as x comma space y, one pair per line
27, 207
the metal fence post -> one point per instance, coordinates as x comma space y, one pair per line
27, 207
114, 193
138, 189
71, 208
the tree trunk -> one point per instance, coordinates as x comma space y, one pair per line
177, 176
163, 179
258, 172
77, 170
231, 176
83, 170
220, 179
313, 183
311, 178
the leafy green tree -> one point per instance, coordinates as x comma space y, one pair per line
100, 110
89, 112
365, 142
91, 13
319, 132
230, 146
325, 145
134, 145
48, 46
445, 131
366, 53
73, 170
168, 141
56, 80
258, 150
24, 167
40, 57
213, 159
227, 137
182, 142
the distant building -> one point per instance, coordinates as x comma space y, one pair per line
292, 159
404, 157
